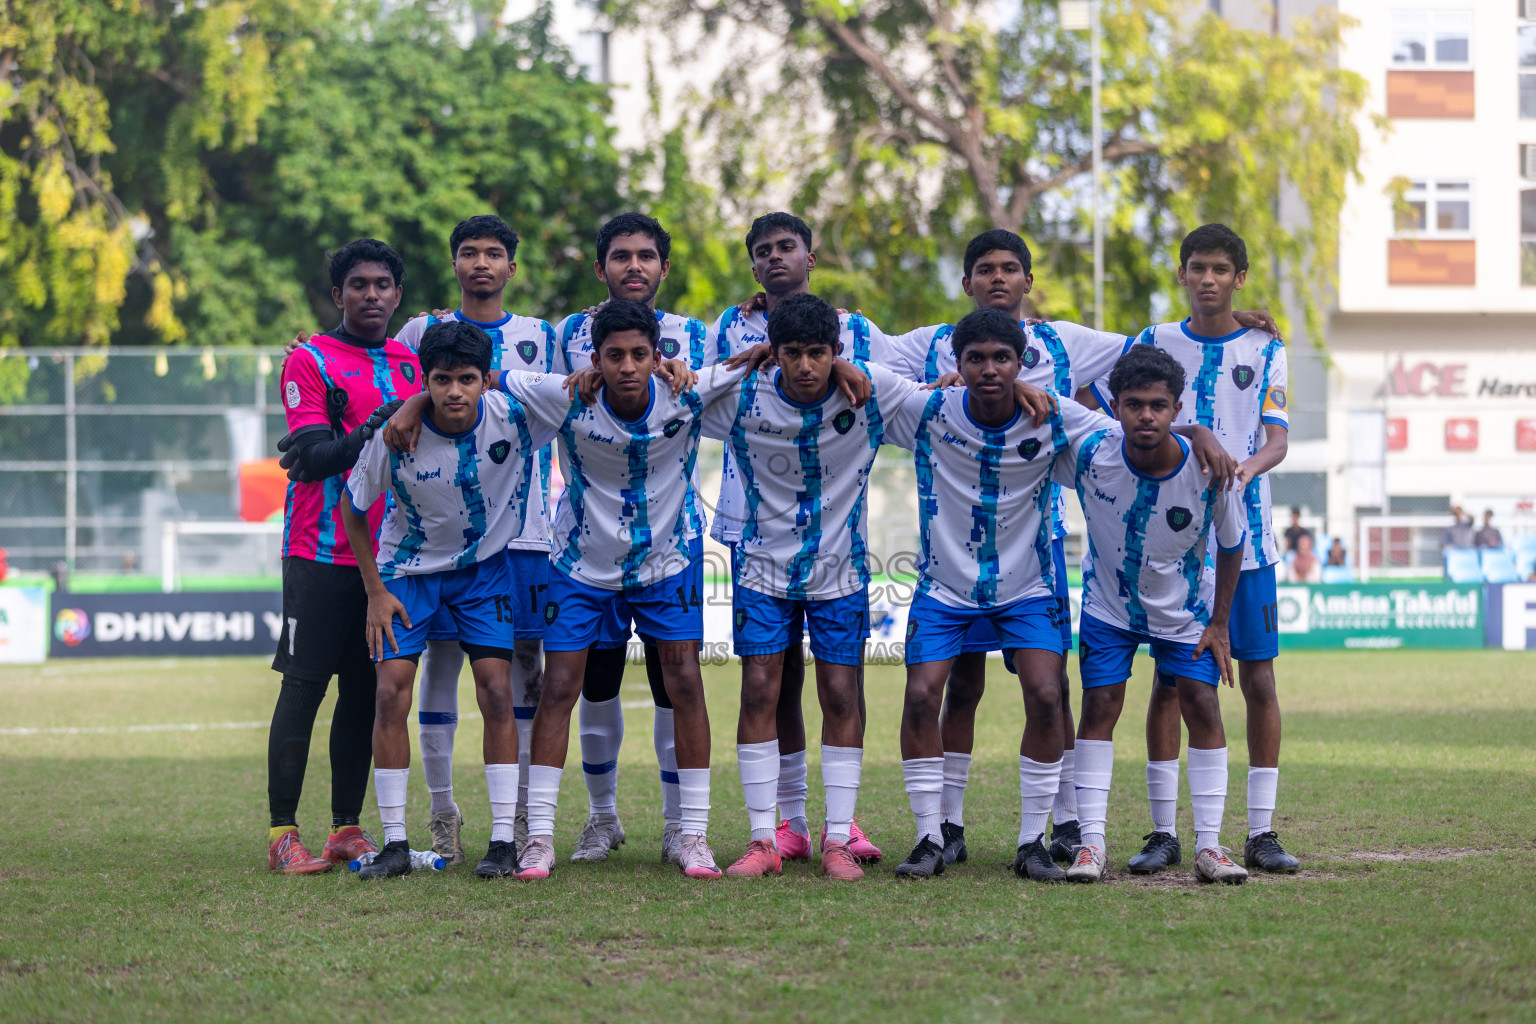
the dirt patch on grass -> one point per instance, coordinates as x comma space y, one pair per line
1185, 879
1422, 853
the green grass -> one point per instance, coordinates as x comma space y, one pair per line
133, 881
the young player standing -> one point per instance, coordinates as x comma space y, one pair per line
1059, 357
983, 464
1235, 385
459, 499
625, 549
804, 454
484, 251
330, 386
633, 259
779, 245
1151, 517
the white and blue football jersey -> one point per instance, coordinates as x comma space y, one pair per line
984, 496
1060, 357
459, 498
1233, 385
734, 332
630, 507
1148, 537
517, 343
804, 473
682, 337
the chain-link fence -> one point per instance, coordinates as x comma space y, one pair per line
98, 448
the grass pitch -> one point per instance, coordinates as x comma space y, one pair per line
133, 882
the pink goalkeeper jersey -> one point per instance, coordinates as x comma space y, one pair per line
370, 377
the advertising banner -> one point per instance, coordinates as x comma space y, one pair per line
23, 625
1510, 620
1380, 616
192, 624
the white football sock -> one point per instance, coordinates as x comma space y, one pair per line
840, 771
543, 797
1038, 782
389, 787
1263, 785
666, 759
1163, 794
437, 717
501, 783
1207, 794
957, 772
759, 767
527, 684
602, 733
924, 777
1064, 808
1095, 768
792, 788
693, 800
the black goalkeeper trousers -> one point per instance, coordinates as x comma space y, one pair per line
293, 722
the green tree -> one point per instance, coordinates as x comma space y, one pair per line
906, 125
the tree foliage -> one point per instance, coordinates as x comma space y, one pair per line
903, 126
176, 171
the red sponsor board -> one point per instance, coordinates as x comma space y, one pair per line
1525, 435
1397, 433
1461, 435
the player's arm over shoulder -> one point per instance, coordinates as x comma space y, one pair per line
903, 419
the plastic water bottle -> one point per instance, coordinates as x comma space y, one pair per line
421, 860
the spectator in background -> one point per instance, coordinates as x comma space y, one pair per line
1295, 531
1489, 536
1460, 533
1336, 553
1304, 566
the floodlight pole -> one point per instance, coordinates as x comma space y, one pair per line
1095, 74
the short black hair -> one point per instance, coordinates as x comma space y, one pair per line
1215, 238
987, 325
633, 224
365, 250
779, 221
997, 238
1143, 366
486, 225
806, 319
624, 315
448, 344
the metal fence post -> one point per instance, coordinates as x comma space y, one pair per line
71, 459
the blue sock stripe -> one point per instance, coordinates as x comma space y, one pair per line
600, 769
670, 777
437, 717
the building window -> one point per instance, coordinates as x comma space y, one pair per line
1528, 237
1436, 209
592, 55
1432, 39
1526, 47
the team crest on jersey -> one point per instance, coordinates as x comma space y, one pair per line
499, 451
1179, 517
1242, 376
291, 394
668, 348
551, 612
843, 421
1031, 357
526, 350
1029, 448
408, 371
671, 429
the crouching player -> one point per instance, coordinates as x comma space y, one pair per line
1150, 516
804, 454
458, 500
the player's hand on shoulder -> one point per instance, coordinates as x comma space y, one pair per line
403, 428
592, 310
756, 304
1259, 318
1040, 403
1214, 460
947, 380
289, 460
852, 382
299, 338
754, 358
582, 385
678, 374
